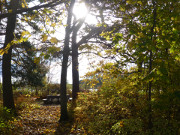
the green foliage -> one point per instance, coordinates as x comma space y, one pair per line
5, 120
26, 69
128, 127
120, 106
53, 88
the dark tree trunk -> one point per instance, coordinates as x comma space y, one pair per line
64, 113
8, 100
153, 36
139, 64
75, 63
75, 66
150, 125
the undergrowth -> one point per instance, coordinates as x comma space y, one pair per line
121, 108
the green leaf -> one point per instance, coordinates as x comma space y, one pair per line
25, 33
47, 56
44, 37
54, 40
37, 60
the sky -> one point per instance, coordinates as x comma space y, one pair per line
56, 70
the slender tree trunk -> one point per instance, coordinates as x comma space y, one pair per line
140, 66
150, 124
64, 113
36, 91
8, 100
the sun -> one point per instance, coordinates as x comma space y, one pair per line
80, 10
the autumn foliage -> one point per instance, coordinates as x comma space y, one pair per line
120, 106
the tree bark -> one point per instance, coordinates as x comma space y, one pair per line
8, 100
64, 113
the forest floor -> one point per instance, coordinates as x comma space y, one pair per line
39, 119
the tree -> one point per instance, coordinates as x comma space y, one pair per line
72, 28
93, 33
24, 69
9, 10
148, 41
64, 113
6, 61
75, 63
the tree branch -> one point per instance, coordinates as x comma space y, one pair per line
19, 11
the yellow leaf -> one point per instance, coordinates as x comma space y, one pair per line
26, 19
23, 6
37, 60
99, 54
25, 33
10, 10
25, 3
54, 40
139, 2
44, 37
32, 17
1, 51
53, 24
128, 2
121, 124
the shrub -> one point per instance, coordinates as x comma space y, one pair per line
128, 127
121, 107
5, 120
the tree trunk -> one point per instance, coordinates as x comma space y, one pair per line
150, 124
75, 67
8, 100
64, 113
75, 63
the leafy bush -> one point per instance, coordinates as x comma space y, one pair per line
25, 101
128, 127
5, 120
121, 106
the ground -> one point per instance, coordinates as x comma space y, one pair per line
35, 118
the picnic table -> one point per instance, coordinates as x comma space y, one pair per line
54, 99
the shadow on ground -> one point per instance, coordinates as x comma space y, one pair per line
65, 127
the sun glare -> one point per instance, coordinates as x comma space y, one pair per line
80, 10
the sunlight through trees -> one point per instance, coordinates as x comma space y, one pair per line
133, 84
